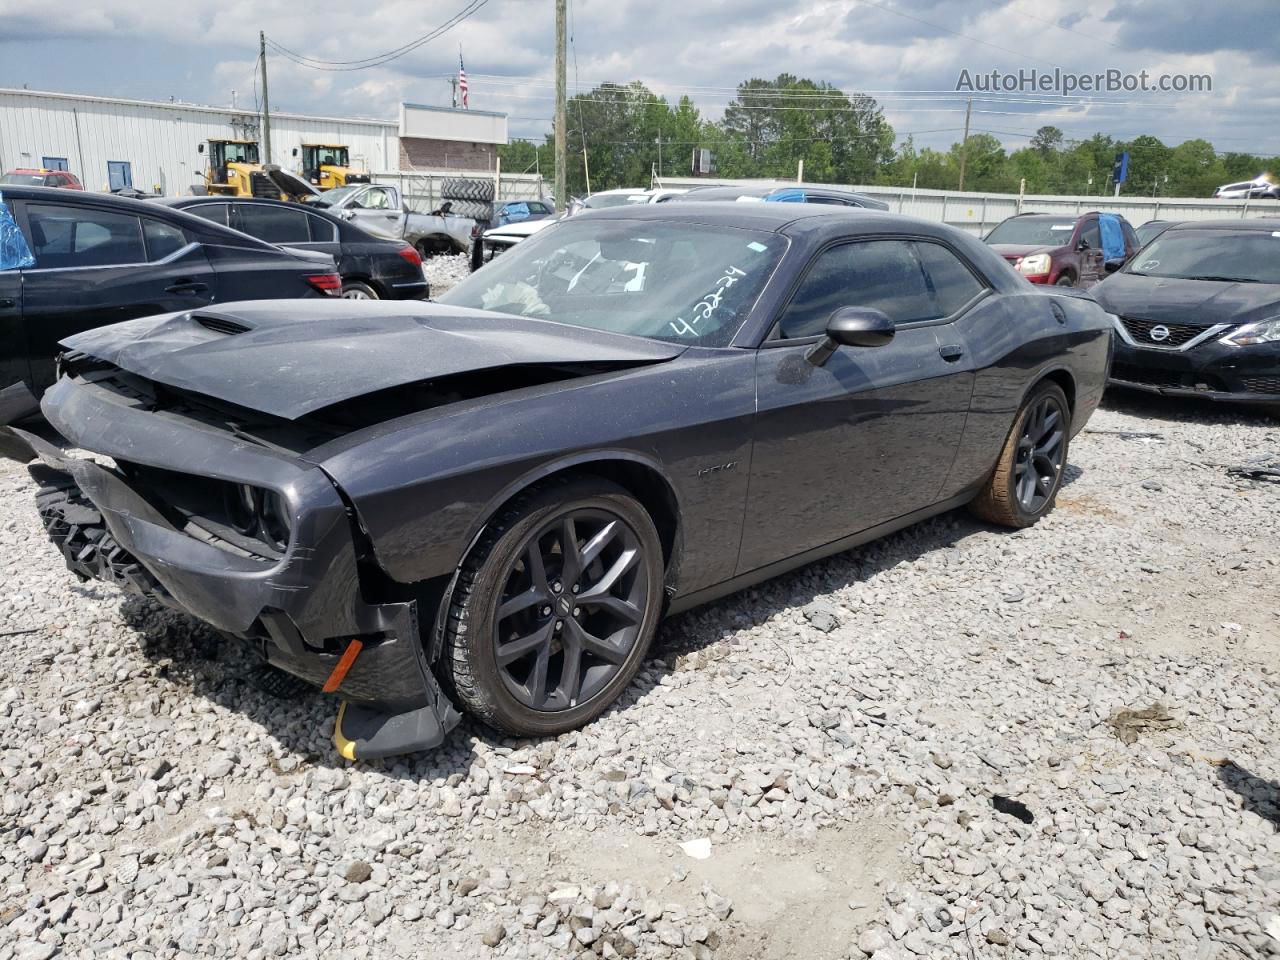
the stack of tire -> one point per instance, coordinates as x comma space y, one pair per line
474, 199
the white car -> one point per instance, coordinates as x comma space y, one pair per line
1260, 187
501, 239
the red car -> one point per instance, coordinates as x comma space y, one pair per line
40, 177
1066, 251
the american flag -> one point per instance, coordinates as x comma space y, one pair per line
462, 81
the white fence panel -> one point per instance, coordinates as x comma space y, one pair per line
421, 188
979, 212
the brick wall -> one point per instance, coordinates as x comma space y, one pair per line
422, 153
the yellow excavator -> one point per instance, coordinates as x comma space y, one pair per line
234, 170
328, 165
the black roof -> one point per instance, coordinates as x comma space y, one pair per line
1257, 226
181, 203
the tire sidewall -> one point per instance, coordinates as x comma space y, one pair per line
491, 579
371, 293
1026, 518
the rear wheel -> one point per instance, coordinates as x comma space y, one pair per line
1066, 280
1028, 474
555, 609
355, 290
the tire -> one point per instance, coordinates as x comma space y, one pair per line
356, 290
515, 695
473, 209
466, 188
1066, 280
1002, 499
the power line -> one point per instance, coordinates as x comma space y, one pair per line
315, 63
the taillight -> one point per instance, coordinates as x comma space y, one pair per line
408, 253
327, 283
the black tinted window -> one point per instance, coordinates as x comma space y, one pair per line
953, 283
83, 237
213, 212
1089, 232
538, 207
273, 224
883, 274
322, 231
163, 239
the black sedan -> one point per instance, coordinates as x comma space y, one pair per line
71, 260
372, 268
500, 494
1197, 312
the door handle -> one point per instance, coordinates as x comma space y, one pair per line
951, 352
189, 287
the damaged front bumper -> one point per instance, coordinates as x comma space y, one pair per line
304, 612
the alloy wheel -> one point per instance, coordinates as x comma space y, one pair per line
1038, 463
355, 293
571, 609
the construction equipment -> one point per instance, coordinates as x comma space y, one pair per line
328, 165
234, 171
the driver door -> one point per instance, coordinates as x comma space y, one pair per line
870, 435
377, 212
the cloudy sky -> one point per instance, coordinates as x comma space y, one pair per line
906, 53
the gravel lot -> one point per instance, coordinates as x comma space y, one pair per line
444, 271
842, 740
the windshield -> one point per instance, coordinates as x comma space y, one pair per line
1033, 231
331, 198
242, 153
1245, 256
680, 282
601, 200
26, 179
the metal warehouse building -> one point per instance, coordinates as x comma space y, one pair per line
155, 146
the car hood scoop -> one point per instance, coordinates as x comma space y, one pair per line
289, 358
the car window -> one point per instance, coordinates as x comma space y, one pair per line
832, 201
1130, 235
213, 212
517, 210
163, 239
83, 237
322, 231
377, 198
884, 274
536, 207
273, 224
1090, 233
953, 284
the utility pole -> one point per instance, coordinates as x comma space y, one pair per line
561, 111
266, 107
659, 154
964, 144
453, 82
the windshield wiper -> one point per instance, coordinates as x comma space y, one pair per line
1224, 279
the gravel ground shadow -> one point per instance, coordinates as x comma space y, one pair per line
1174, 410
1260, 796
188, 652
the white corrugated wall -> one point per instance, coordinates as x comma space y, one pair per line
160, 140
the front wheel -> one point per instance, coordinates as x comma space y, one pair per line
554, 609
1028, 474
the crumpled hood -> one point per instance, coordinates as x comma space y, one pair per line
290, 358
1171, 300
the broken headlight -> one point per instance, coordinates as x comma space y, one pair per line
258, 513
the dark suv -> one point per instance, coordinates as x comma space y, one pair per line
1067, 251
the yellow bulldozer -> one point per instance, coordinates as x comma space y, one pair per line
328, 165
235, 171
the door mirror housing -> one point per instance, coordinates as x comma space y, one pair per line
1082, 245
852, 327
1111, 266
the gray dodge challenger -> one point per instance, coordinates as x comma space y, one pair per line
487, 503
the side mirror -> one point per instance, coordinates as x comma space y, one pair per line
200, 148
295, 151
1082, 245
852, 327
1111, 266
